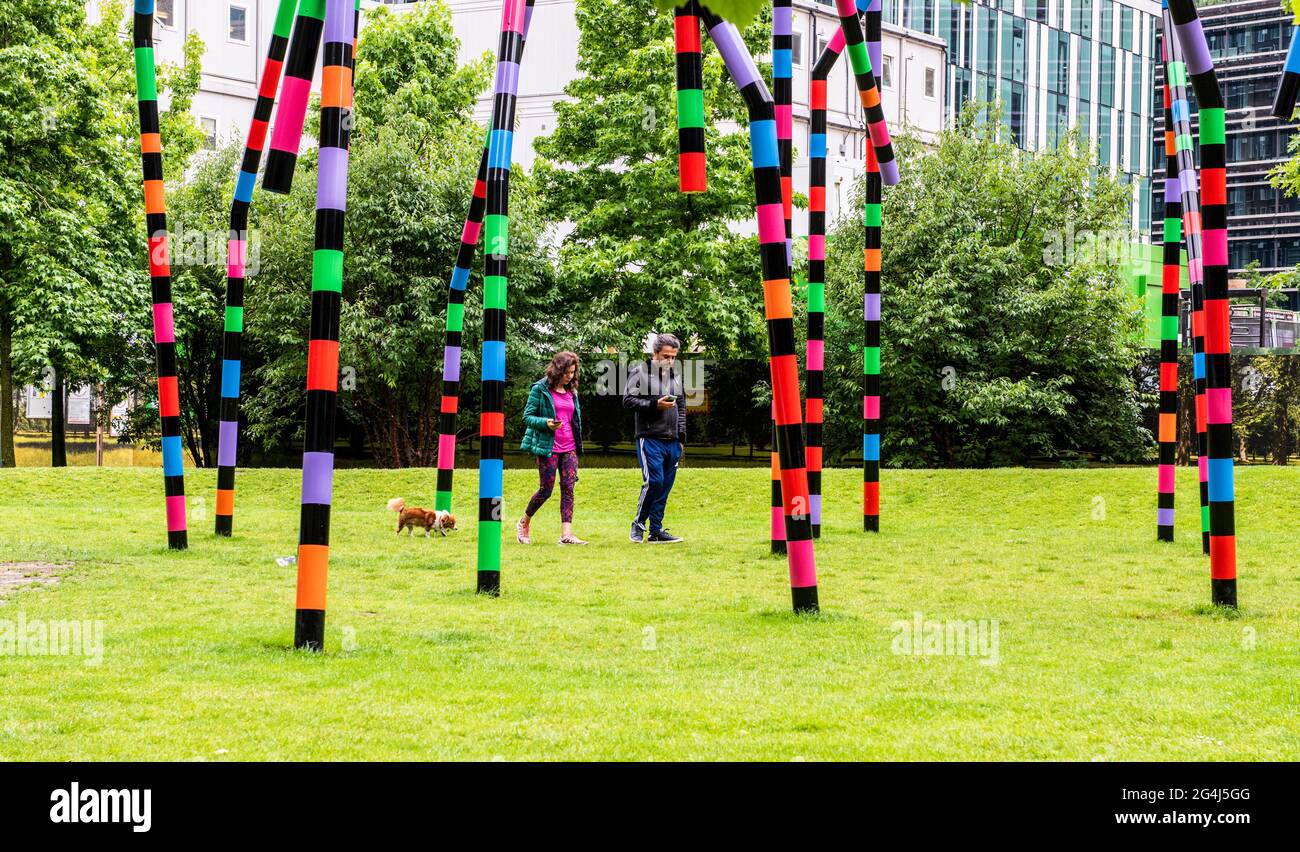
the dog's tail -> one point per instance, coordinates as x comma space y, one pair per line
396, 504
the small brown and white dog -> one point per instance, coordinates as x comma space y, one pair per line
437, 520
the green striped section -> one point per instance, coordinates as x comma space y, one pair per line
1173, 229
871, 360
872, 217
690, 108
146, 78
234, 319
312, 9
1177, 72
816, 297
494, 291
489, 545
1212, 126
455, 317
1205, 519
1168, 328
442, 501
327, 270
859, 59
496, 234
284, 18
1183, 142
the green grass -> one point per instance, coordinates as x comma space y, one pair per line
1107, 646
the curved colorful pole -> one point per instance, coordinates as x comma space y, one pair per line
778, 306
237, 254
868, 92
326, 300
1288, 85
160, 273
495, 278
692, 172
451, 350
815, 359
286, 137
871, 304
783, 100
1167, 428
1190, 196
1214, 237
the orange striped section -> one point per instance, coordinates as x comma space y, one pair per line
871, 98
155, 199
776, 299
336, 86
871, 260
313, 566
150, 143
225, 501
1168, 428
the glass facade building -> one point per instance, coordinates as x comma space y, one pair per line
1248, 40
1054, 65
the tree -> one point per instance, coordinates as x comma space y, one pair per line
415, 153
641, 256
1008, 329
73, 285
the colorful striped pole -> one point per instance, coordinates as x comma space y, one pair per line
1288, 85
691, 168
451, 351
495, 278
815, 359
326, 300
1167, 430
1180, 107
871, 306
782, 99
304, 47
868, 92
160, 273
1214, 239
237, 254
778, 307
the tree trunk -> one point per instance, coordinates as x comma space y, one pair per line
8, 458
58, 429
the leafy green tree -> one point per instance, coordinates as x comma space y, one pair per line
415, 153
642, 256
1008, 329
74, 292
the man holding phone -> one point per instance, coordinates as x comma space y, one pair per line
656, 397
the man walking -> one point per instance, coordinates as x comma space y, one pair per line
655, 394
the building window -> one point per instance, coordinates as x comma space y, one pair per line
209, 126
929, 82
164, 14
238, 23
821, 48
887, 73
796, 48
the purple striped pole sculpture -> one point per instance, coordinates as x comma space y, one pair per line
1167, 426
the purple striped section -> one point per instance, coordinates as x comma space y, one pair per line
734, 54
1196, 53
339, 18
451, 363
317, 477
507, 78
871, 307
332, 179
1165, 517
782, 20
229, 435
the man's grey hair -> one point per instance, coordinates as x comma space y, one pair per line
662, 340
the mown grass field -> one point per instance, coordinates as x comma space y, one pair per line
1107, 649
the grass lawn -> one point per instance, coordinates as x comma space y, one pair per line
1107, 649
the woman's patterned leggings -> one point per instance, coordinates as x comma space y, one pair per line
567, 465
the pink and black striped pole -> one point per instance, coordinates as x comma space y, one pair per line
304, 48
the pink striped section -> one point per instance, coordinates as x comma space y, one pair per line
163, 329
294, 93
784, 121
236, 253
871, 408
816, 355
446, 451
1203, 468
512, 16
175, 514
879, 134
1165, 481
817, 247
1214, 247
803, 572
771, 223
1220, 405
470, 233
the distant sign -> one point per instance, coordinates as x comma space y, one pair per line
117, 419
1281, 328
40, 403
78, 412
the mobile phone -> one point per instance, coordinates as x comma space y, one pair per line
670, 397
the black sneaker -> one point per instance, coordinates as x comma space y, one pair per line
637, 535
664, 537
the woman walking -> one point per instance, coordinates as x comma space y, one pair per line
554, 421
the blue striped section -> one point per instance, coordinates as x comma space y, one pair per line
1198, 365
1219, 473
230, 379
244, 187
1180, 111
171, 450
494, 361
489, 477
871, 448
1293, 54
817, 145
499, 144
144, 7
762, 142
782, 65
459, 278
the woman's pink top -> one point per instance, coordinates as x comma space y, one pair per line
564, 442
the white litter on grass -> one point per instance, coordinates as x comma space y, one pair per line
286, 561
